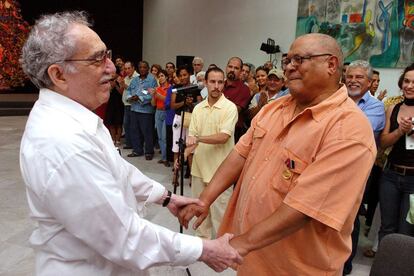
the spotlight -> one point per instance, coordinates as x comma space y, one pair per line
270, 47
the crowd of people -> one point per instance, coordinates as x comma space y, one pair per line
282, 161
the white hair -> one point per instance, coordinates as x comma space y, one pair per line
201, 74
49, 43
362, 64
198, 59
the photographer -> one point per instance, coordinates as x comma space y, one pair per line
182, 102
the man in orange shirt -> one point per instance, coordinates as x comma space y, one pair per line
293, 207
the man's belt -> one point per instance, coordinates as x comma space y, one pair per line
400, 170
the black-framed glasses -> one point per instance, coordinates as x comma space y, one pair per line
98, 59
297, 60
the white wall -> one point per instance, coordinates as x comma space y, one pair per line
219, 29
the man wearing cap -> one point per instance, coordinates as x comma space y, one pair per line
293, 206
274, 83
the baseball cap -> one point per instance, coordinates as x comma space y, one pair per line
278, 73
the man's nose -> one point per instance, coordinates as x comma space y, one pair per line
109, 66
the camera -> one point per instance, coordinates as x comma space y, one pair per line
187, 91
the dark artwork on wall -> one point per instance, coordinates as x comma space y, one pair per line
118, 23
13, 33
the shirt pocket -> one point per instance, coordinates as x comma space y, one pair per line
292, 168
258, 137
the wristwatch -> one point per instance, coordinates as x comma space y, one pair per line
167, 199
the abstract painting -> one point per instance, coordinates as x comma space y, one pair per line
380, 31
13, 33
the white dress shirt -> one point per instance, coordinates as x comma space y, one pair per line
86, 198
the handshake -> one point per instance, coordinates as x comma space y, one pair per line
219, 254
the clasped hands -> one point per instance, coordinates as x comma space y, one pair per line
406, 126
217, 254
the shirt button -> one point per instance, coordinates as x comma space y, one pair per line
253, 177
266, 159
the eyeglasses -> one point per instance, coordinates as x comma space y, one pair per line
99, 59
297, 60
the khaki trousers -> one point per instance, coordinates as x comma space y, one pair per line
210, 225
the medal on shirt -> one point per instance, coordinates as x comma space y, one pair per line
287, 174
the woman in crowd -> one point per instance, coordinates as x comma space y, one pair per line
160, 114
182, 103
261, 77
397, 181
155, 70
115, 111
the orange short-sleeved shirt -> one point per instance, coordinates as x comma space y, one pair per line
162, 90
317, 163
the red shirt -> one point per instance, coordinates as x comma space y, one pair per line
163, 92
239, 94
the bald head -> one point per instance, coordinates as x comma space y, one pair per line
321, 43
313, 67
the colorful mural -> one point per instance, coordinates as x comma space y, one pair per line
13, 33
381, 31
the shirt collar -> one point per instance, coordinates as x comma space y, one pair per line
365, 98
323, 108
78, 112
219, 104
235, 83
135, 74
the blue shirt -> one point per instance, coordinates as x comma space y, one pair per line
170, 112
139, 87
375, 111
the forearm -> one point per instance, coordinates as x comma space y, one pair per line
253, 111
225, 176
160, 97
280, 224
120, 89
390, 138
176, 105
219, 138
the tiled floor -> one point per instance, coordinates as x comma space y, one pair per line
16, 257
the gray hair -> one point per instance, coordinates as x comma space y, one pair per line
201, 74
198, 59
362, 64
49, 43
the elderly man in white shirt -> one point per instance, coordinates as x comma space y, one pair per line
84, 196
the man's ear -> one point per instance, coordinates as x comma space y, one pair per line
333, 65
57, 76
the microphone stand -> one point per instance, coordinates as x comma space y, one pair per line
181, 149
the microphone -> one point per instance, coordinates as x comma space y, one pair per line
185, 88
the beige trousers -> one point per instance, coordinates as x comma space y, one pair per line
210, 225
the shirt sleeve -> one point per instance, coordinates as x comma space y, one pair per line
167, 100
245, 142
229, 121
192, 129
130, 88
91, 204
376, 116
253, 102
245, 96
